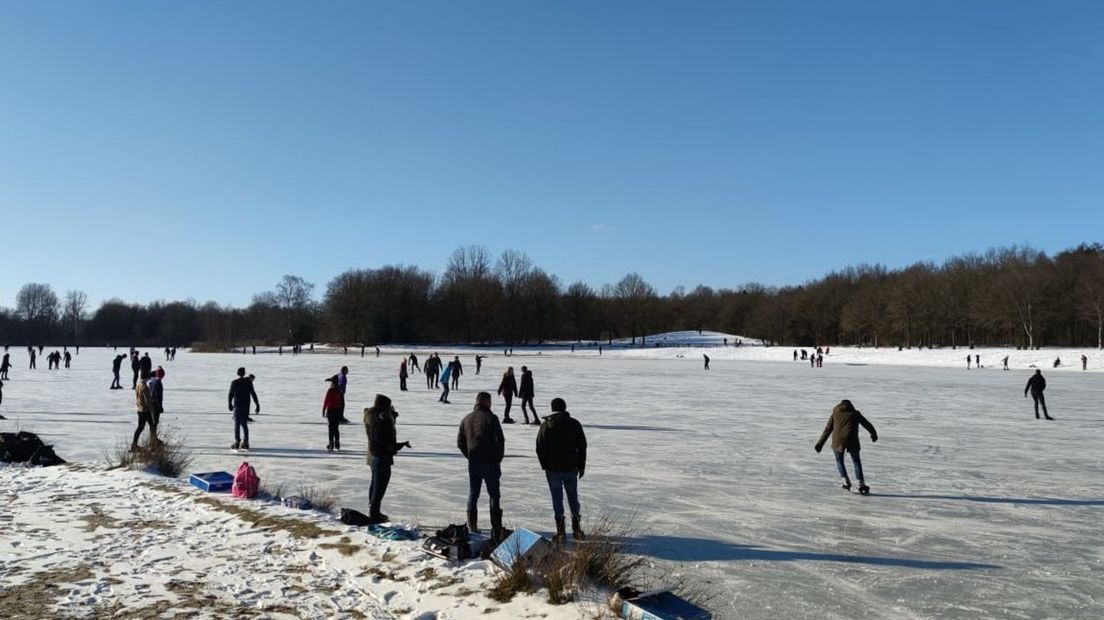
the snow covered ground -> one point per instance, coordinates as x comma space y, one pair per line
978, 509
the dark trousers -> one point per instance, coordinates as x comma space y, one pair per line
429, 380
444, 393
480, 474
456, 382
134, 383
402, 384
509, 403
855, 461
1039, 400
115, 384
144, 418
558, 483
528, 401
241, 427
381, 477
333, 421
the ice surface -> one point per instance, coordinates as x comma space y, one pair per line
978, 509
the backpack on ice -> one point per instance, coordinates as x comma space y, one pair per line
246, 482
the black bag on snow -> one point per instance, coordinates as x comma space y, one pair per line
354, 518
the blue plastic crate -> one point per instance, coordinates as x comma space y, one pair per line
212, 481
663, 605
522, 543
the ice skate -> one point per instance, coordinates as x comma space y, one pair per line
846, 485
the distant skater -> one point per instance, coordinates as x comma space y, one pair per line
414, 364
977, 362
402, 375
5, 365
1036, 385
457, 370
241, 394
116, 366
445, 376
1005, 362
508, 389
135, 367
1084, 362
527, 393
843, 426
706, 361
33, 365
343, 385
333, 409
969, 359
479, 363
68, 359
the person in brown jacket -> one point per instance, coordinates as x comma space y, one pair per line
144, 403
843, 426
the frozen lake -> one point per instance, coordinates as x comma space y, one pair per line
978, 509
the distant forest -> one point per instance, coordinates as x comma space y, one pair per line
1006, 296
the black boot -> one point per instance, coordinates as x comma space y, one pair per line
473, 521
561, 535
577, 530
496, 526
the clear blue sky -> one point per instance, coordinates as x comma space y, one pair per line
163, 150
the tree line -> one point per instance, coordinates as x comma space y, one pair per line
1012, 296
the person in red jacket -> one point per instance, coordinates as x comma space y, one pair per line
333, 409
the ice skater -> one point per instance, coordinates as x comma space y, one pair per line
527, 393
508, 389
843, 426
402, 375
241, 394
1005, 362
457, 370
68, 359
706, 361
5, 365
479, 362
116, 366
333, 409
1084, 362
445, 375
343, 384
969, 358
414, 363
977, 362
33, 365
1036, 384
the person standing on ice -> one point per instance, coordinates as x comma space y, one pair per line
135, 367
457, 370
333, 409
68, 359
33, 365
479, 363
402, 375
379, 424
1036, 384
977, 361
968, 360
843, 426
1005, 362
1084, 362
527, 392
562, 451
4, 366
795, 355
241, 394
508, 389
116, 366
343, 384
445, 375
481, 441
414, 363
157, 402
144, 406
706, 361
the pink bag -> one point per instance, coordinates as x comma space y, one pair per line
246, 482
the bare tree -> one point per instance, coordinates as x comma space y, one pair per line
75, 312
635, 295
37, 305
293, 294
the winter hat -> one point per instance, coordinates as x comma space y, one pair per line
160, 372
382, 403
846, 404
558, 405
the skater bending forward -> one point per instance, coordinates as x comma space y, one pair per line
843, 426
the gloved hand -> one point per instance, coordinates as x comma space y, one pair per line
406, 444
581, 472
231, 408
873, 439
819, 447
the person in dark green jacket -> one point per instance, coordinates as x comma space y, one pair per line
562, 451
843, 426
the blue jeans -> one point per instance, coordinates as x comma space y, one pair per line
444, 393
241, 425
558, 482
478, 474
381, 477
855, 460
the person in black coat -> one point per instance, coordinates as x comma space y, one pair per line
1036, 384
527, 393
379, 424
562, 451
